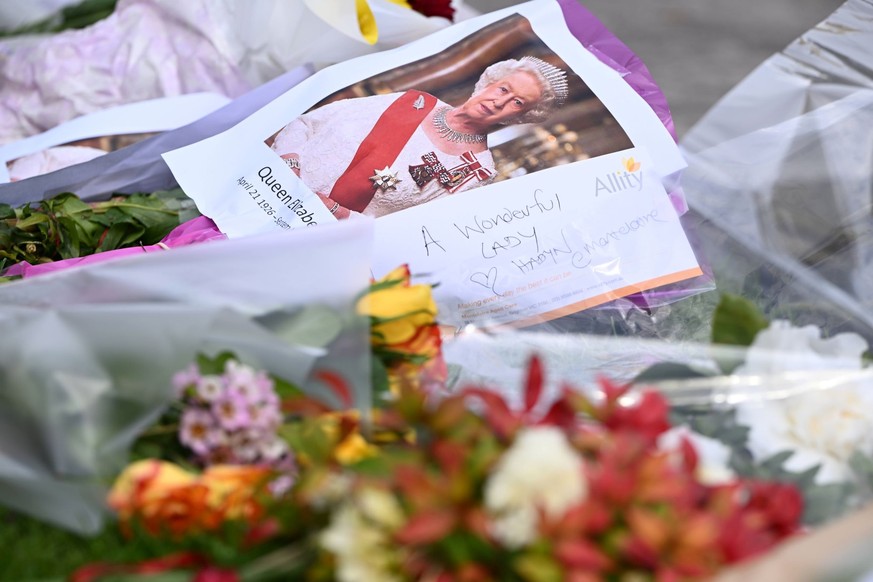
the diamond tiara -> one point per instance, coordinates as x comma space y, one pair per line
557, 78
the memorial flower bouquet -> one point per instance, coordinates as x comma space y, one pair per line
245, 477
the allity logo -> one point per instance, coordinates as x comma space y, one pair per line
626, 178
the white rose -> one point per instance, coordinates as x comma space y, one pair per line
539, 470
821, 427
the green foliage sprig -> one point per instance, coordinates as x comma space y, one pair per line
75, 16
66, 227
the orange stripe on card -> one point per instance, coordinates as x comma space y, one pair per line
606, 297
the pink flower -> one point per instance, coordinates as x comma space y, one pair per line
198, 430
273, 450
245, 380
246, 445
209, 388
281, 485
231, 410
184, 379
263, 417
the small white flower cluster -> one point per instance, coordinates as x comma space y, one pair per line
232, 418
821, 426
359, 535
540, 471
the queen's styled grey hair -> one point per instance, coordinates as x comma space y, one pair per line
554, 90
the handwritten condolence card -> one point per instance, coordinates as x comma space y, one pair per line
499, 158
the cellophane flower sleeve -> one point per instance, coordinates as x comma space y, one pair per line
780, 176
88, 353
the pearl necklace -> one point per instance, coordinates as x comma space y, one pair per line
439, 121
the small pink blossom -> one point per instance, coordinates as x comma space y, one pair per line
281, 485
231, 410
266, 418
184, 379
246, 445
209, 388
197, 431
273, 450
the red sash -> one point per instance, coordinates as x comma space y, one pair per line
354, 189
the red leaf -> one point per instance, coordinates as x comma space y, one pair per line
95, 571
497, 412
337, 385
581, 554
533, 389
560, 414
426, 528
213, 574
689, 454
450, 456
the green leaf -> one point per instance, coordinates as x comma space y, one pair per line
31, 221
736, 321
114, 236
134, 235
286, 389
775, 462
538, 568
669, 371
862, 465
307, 437
463, 547
381, 385
826, 502
215, 365
315, 325
70, 246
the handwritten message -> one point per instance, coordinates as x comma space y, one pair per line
538, 246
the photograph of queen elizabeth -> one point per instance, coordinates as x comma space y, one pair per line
389, 151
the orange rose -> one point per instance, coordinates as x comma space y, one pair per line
233, 490
162, 495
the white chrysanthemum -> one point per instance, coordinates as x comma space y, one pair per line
821, 427
783, 347
713, 457
539, 470
363, 550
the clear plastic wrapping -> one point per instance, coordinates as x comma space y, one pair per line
780, 178
87, 354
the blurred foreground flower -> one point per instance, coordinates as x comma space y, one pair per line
540, 471
163, 497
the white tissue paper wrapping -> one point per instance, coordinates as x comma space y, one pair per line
155, 48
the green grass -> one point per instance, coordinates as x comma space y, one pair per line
33, 550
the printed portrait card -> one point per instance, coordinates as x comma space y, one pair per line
499, 158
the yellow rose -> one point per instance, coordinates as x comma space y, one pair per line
354, 448
403, 315
343, 428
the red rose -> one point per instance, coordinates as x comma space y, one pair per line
434, 8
